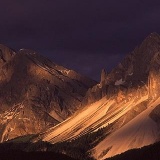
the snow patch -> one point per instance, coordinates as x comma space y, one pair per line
130, 74
119, 82
55, 116
66, 71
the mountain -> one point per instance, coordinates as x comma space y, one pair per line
36, 93
125, 104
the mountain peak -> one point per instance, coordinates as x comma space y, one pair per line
49, 92
103, 77
151, 42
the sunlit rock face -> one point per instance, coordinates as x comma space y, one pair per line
36, 93
117, 110
132, 72
127, 99
154, 76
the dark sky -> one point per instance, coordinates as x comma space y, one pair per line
85, 35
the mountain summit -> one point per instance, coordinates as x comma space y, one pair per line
36, 93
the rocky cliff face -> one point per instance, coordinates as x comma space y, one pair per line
135, 70
36, 93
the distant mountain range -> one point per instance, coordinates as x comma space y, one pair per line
72, 114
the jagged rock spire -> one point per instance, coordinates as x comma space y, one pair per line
103, 77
